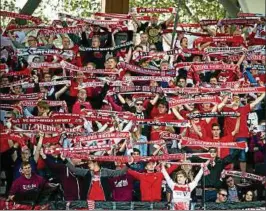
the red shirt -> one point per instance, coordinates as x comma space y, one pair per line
227, 76
96, 192
77, 107
222, 152
156, 130
192, 134
150, 183
229, 123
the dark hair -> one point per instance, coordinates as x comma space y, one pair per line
182, 172
216, 125
163, 102
182, 39
136, 150
23, 164
253, 195
114, 58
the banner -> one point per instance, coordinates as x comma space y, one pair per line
158, 122
212, 114
243, 175
186, 141
52, 129
46, 120
147, 78
179, 101
41, 51
32, 96
39, 65
65, 30
32, 103
126, 159
136, 89
145, 71
85, 70
102, 136
86, 150
154, 10
124, 45
223, 50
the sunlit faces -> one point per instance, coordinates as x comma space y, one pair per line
184, 42
26, 170
164, 66
25, 155
221, 196
17, 90
43, 89
181, 82
196, 59
82, 95
150, 166
213, 152
153, 83
213, 81
154, 19
139, 106
111, 63
206, 106
181, 178
249, 196
196, 120
186, 167
66, 43
95, 43
144, 38
32, 42
230, 182
47, 77
80, 75
236, 99
216, 131
162, 108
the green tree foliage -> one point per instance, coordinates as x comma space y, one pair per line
189, 11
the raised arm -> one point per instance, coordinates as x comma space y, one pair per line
236, 130
134, 18
77, 171
196, 180
113, 173
168, 179
38, 147
257, 101
61, 91
223, 103
155, 99
177, 114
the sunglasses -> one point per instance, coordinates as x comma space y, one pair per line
212, 151
224, 195
139, 104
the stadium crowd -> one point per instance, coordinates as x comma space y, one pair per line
98, 109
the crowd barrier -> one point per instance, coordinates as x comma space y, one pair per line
91, 205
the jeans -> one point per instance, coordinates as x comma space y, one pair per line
210, 195
242, 155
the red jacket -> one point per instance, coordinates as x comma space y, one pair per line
150, 183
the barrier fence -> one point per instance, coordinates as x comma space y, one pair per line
91, 205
